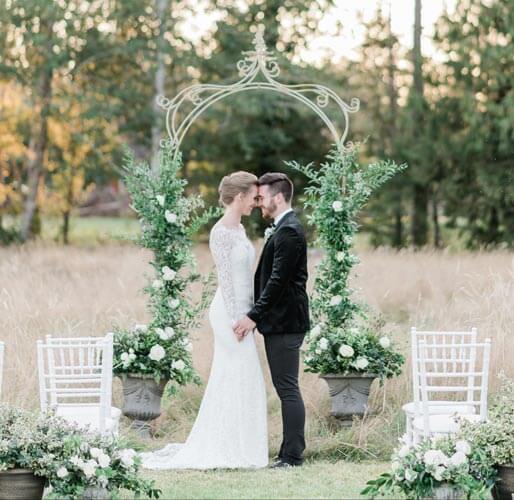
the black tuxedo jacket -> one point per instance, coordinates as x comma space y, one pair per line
281, 304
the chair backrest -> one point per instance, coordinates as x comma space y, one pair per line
453, 370
76, 372
454, 341
2, 349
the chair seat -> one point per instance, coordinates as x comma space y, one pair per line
89, 416
442, 424
410, 409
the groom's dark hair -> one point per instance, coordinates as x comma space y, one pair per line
278, 183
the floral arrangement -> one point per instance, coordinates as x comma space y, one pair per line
418, 470
68, 458
496, 435
169, 220
343, 339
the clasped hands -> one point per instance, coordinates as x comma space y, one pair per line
243, 326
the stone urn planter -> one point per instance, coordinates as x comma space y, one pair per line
504, 487
447, 492
142, 400
349, 394
95, 493
21, 484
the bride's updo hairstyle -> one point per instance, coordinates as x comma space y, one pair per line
233, 184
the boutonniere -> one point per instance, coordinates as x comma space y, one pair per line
268, 233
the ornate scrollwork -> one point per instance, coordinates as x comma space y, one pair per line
256, 62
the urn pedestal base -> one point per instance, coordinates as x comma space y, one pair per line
349, 395
21, 484
504, 487
142, 400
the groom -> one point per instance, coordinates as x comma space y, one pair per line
281, 309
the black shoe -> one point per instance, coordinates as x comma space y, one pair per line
281, 464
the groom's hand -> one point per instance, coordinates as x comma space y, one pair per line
244, 325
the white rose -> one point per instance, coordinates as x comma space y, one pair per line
316, 331
435, 457
103, 481
140, 328
168, 274
157, 284
336, 300
337, 206
160, 199
164, 334
103, 460
318, 350
323, 343
438, 473
404, 451
463, 446
124, 356
76, 461
458, 458
361, 363
127, 457
174, 303
95, 452
340, 256
410, 475
384, 342
157, 352
395, 465
189, 347
62, 472
170, 217
89, 468
346, 351
178, 365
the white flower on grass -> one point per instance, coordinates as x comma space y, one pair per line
174, 303
410, 475
361, 363
463, 446
404, 451
168, 274
157, 284
178, 365
170, 217
384, 342
126, 457
323, 343
315, 332
346, 351
336, 300
62, 472
337, 206
157, 352
458, 458
438, 473
160, 199
103, 460
340, 256
140, 328
89, 468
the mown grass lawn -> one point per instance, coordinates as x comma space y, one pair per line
312, 480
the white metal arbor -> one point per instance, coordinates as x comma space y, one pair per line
255, 62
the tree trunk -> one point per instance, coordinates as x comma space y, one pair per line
420, 188
38, 145
420, 215
435, 220
159, 81
65, 226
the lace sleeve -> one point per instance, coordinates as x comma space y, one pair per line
221, 243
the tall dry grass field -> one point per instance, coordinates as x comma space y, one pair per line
47, 289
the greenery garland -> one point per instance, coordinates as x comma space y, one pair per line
169, 220
342, 339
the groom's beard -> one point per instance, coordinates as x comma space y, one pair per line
270, 209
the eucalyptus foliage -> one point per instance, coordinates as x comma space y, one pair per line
169, 220
342, 339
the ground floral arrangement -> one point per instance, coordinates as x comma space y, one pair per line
466, 462
343, 338
169, 220
70, 459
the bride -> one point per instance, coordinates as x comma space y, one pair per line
230, 430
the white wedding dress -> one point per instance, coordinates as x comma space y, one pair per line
230, 430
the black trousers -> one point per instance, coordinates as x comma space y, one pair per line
283, 352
